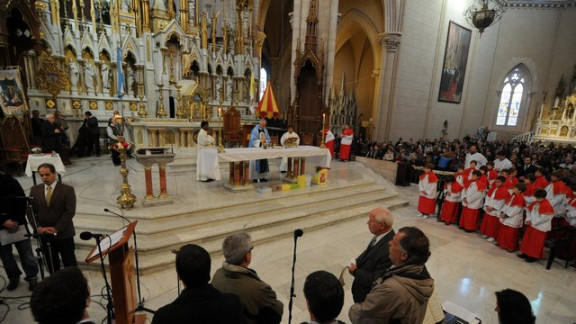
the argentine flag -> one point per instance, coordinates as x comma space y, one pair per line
120, 83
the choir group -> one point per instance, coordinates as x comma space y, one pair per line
500, 206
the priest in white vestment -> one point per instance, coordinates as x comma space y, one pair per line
288, 139
205, 140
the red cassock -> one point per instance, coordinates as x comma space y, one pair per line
344, 146
449, 211
329, 141
508, 235
427, 203
534, 239
541, 182
469, 218
491, 223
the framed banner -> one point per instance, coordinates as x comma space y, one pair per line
12, 98
455, 59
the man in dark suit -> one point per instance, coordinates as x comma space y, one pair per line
374, 261
199, 302
91, 133
62, 298
527, 168
55, 208
51, 135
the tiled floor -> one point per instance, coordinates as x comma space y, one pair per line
467, 269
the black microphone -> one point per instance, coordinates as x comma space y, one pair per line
298, 233
113, 213
88, 235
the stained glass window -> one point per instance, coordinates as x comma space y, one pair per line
510, 99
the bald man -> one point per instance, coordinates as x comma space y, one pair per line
374, 261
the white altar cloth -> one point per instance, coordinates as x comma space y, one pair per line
211, 158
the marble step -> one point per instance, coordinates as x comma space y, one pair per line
187, 230
107, 223
266, 229
150, 262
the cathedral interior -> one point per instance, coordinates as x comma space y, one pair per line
389, 68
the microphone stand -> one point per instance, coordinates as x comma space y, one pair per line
43, 255
140, 306
297, 233
109, 305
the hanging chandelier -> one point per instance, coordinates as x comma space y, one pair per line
483, 13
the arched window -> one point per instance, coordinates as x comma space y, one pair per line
511, 99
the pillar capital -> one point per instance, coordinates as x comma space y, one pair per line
390, 41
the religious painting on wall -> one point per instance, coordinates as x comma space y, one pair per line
455, 60
11, 95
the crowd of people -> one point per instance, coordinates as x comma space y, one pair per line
51, 134
515, 206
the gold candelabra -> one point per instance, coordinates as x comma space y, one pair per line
126, 199
160, 112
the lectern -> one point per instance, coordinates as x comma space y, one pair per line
122, 274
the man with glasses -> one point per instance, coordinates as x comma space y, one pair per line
257, 297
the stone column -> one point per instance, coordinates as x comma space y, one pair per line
163, 186
386, 92
148, 178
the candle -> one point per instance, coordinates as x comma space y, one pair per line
323, 118
219, 112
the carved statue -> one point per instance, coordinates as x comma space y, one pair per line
130, 79
89, 77
73, 74
105, 73
229, 90
218, 88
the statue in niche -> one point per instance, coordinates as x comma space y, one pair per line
130, 80
105, 73
73, 74
89, 77
229, 91
218, 88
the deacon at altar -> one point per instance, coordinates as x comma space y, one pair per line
288, 139
258, 138
205, 140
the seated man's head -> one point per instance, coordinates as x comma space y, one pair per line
61, 298
237, 249
324, 296
409, 246
193, 265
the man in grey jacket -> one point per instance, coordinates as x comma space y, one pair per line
401, 295
257, 297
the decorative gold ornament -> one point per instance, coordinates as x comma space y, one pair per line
109, 105
51, 78
76, 104
50, 103
126, 199
133, 106
93, 105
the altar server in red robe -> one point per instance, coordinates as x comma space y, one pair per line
511, 219
346, 143
507, 182
472, 201
460, 175
427, 186
538, 223
467, 173
452, 199
556, 193
493, 204
491, 173
540, 182
530, 189
329, 140
484, 176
